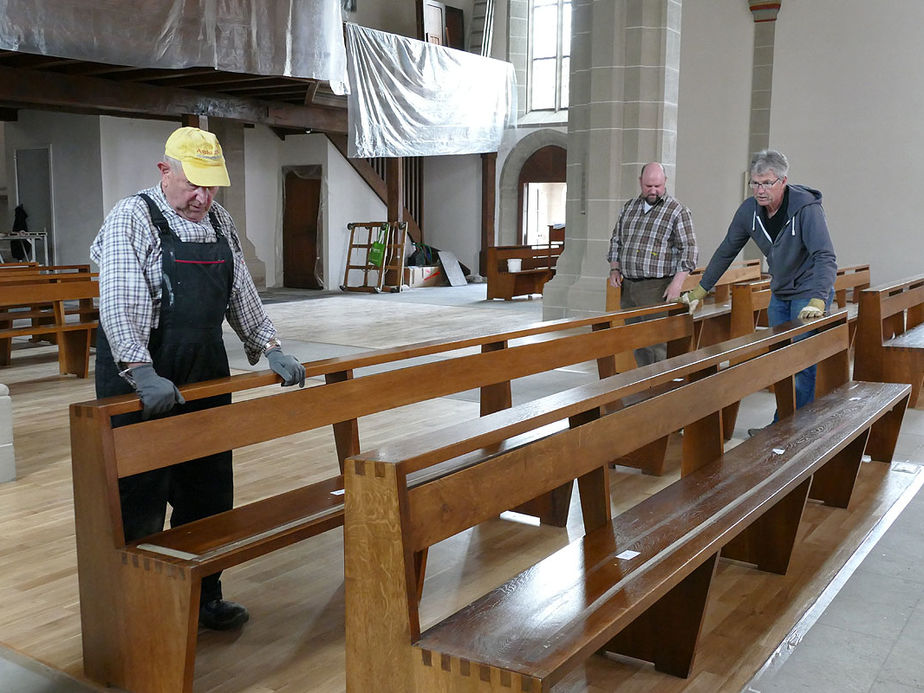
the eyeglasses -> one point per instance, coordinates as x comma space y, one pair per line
763, 186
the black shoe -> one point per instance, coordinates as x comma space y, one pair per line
754, 431
219, 614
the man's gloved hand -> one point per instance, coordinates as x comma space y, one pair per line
287, 366
694, 297
158, 395
814, 309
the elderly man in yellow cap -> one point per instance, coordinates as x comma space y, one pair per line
171, 270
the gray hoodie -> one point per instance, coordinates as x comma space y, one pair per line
801, 260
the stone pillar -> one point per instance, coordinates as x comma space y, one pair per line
764, 14
625, 68
230, 134
762, 73
7, 454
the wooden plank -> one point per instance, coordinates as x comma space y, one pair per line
452, 268
161, 442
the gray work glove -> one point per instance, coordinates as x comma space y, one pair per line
158, 395
287, 366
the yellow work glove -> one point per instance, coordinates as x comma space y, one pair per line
694, 297
814, 309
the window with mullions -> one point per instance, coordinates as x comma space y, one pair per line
549, 54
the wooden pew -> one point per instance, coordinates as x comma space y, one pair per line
41, 314
41, 300
637, 584
851, 280
712, 319
122, 585
743, 271
537, 267
890, 334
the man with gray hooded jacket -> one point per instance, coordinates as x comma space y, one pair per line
787, 222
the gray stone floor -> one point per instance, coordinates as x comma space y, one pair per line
865, 633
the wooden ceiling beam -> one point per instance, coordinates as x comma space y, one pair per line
31, 88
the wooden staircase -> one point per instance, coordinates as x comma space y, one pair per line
373, 172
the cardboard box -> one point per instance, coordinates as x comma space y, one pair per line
426, 275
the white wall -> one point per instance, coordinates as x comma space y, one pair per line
348, 199
847, 104
97, 161
452, 206
713, 114
74, 142
345, 198
129, 150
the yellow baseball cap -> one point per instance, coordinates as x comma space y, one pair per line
200, 154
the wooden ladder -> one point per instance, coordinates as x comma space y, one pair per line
374, 276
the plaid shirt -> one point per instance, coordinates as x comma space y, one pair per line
656, 243
128, 252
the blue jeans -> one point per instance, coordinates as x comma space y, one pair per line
778, 312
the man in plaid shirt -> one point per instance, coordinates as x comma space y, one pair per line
652, 250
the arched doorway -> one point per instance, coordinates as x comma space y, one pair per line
541, 194
510, 202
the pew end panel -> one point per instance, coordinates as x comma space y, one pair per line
890, 334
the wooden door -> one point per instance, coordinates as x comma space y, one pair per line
300, 232
431, 21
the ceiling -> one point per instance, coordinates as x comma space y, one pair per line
286, 104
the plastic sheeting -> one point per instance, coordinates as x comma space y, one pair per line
291, 38
410, 98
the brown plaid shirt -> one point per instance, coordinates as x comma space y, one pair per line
657, 243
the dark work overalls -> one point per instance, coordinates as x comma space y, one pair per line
186, 347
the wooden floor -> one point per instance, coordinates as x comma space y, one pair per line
294, 641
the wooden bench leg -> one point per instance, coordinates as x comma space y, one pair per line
594, 488
156, 617
833, 484
769, 541
346, 433
552, 508
729, 418
713, 331
667, 632
649, 458
884, 434
74, 352
832, 372
6, 345
702, 443
420, 571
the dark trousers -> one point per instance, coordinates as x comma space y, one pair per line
645, 292
194, 489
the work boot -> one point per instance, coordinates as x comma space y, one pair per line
219, 614
754, 431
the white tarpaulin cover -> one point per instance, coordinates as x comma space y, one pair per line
291, 38
410, 98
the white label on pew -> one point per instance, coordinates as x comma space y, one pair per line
627, 555
338, 492
778, 451
855, 399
